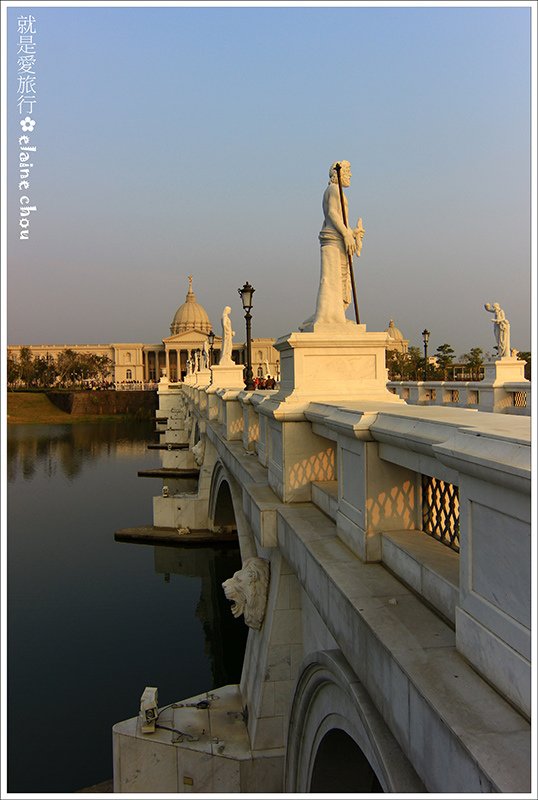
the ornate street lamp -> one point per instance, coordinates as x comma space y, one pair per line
425, 339
246, 298
211, 340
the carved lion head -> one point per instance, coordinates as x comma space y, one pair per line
248, 590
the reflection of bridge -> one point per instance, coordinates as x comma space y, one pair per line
394, 653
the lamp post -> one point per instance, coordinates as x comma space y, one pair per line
211, 340
246, 298
425, 339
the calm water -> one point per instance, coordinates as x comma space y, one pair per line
92, 621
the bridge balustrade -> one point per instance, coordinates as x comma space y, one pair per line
507, 398
403, 483
437, 493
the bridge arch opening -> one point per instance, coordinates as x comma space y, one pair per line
338, 742
224, 509
340, 766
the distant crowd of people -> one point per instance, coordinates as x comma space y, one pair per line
120, 386
134, 385
265, 383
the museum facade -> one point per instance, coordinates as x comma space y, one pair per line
136, 363
139, 363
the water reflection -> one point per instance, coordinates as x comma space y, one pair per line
68, 447
225, 636
92, 621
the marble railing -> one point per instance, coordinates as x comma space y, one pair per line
508, 398
370, 470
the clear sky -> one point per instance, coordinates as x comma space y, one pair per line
197, 140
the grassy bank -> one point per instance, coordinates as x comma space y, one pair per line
35, 407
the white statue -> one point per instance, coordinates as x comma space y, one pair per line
337, 241
188, 365
205, 354
248, 590
266, 365
501, 328
227, 336
197, 360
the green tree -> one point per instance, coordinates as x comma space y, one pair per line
525, 355
396, 365
26, 366
414, 365
445, 357
102, 366
474, 359
13, 370
44, 371
67, 364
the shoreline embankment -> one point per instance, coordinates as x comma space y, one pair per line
55, 407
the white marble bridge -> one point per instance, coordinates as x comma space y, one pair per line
393, 646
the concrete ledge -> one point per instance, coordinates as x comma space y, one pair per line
427, 566
399, 648
325, 496
259, 505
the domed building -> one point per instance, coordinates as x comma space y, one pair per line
397, 342
135, 364
190, 316
188, 333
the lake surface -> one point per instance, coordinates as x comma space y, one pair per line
92, 621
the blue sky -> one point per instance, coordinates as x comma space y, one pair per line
177, 141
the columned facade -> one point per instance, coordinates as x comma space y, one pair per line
145, 363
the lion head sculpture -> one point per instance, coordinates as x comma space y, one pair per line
198, 452
248, 590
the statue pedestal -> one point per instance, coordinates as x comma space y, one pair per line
227, 377
190, 380
333, 363
504, 370
203, 377
222, 377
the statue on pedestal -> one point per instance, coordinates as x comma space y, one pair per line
205, 355
227, 336
501, 328
339, 243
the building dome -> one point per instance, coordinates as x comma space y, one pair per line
394, 332
191, 315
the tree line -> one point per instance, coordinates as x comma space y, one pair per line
69, 370
411, 366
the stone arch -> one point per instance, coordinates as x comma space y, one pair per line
330, 702
225, 500
340, 765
